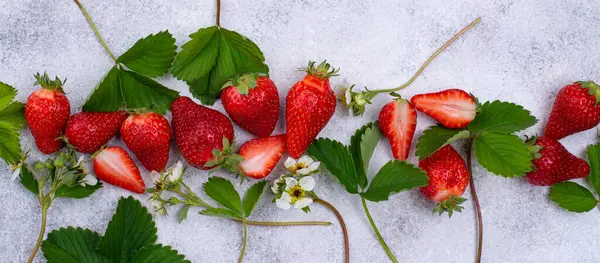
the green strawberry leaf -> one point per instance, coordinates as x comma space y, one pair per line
573, 197
501, 117
337, 159
437, 137
13, 115
593, 152
158, 254
213, 56
151, 56
502, 154
222, 191
27, 180
7, 95
183, 213
72, 245
10, 144
123, 88
221, 212
130, 229
252, 196
77, 191
395, 176
362, 146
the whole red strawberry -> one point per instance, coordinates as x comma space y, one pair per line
114, 166
448, 179
575, 109
397, 121
252, 102
310, 104
553, 163
148, 136
46, 112
88, 131
199, 130
453, 108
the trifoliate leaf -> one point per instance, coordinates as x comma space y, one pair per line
10, 144
73, 245
395, 176
593, 153
212, 57
252, 196
7, 95
502, 154
437, 137
573, 197
151, 56
123, 88
27, 180
501, 117
221, 212
130, 229
13, 115
158, 254
222, 191
362, 146
77, 191
337, 159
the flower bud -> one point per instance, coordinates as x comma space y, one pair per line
174, 201
49, 164
58, 163
39, 165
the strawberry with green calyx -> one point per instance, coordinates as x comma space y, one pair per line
148, 135
46, 112
199, 131
87, 132
310, 104
453, 108
252, 102
256, 158
575, 109
553, 163
114, 166
357, 101
398, 121
448, 179
62, 176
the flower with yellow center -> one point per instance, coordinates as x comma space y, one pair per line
296, 193
304, 166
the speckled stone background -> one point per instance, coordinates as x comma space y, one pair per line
523, 51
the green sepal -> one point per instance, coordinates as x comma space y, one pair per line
323, 70
593, 89
533, 148
244, 83
47, 83
226, 159
450, 205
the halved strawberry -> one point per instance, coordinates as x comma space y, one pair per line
261, 155
114, 166
453, 108
397, 121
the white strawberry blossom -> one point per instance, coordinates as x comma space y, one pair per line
175, 172
304, 166
296, 193
88, 180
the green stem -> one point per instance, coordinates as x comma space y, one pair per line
42, 231
383, 244
93, 26
431, 58
292, 223
342, 223
243, 242
475, 203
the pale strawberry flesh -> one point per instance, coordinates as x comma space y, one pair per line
453, 108
397, 121
261, 155
114, 166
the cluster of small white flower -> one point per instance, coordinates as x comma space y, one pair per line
295, 189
